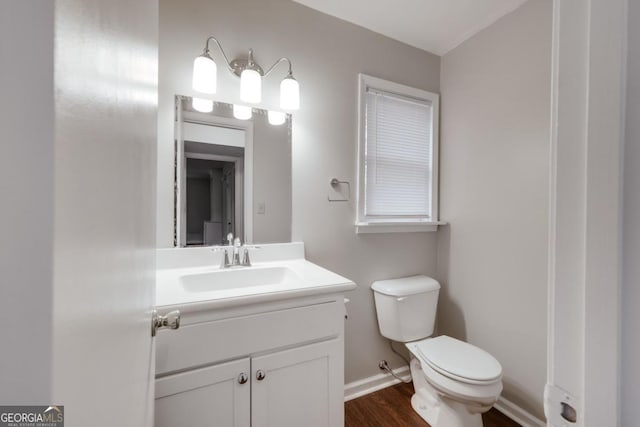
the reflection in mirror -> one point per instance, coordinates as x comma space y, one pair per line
231, 176
210, 191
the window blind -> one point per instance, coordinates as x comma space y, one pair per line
398, 155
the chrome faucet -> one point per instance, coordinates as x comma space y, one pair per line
236, 251
236, 246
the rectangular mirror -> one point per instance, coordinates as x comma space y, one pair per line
231, 176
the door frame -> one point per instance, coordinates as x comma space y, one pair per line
588, 113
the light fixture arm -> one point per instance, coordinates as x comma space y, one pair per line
206, 51
237, 65
276, 63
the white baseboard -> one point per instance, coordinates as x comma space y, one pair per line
518, 414
374, 383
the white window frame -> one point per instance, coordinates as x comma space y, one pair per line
366, 224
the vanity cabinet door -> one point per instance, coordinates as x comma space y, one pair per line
215, 396
302, 386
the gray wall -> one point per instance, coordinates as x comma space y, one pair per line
631, 231
327, 55
26, 189
271, 181
494, 182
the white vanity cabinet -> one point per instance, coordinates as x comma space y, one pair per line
299, 387
218, 395
291, 354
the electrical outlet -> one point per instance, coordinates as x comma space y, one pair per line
560, 407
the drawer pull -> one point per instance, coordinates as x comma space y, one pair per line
260, 375
243, 378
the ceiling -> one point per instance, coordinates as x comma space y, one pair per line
436, 26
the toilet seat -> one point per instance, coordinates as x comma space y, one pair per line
483, 395
455, 385
459, 360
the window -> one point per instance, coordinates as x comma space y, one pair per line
397, 157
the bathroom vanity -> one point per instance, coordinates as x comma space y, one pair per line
257, 346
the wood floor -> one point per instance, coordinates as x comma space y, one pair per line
391, 407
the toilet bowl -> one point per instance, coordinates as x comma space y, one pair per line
454, 381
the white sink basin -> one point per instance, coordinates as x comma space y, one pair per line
188, 279
238, 278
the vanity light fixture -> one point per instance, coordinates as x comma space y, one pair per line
276, 118
250, 73
202, 105
242, 112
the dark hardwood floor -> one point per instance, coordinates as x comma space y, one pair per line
391, 407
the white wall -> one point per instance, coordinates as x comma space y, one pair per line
327, 55
494, 189
26, 190
630, 372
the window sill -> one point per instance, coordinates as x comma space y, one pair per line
397, 227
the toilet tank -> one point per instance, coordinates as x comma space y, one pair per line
406, 307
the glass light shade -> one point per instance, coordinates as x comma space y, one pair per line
276, 118
241, 112
202, 105
250, 86
289, 94
205, 73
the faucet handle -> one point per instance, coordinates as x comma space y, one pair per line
246, 261
236, 251
224, 263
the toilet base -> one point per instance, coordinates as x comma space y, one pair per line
438, 410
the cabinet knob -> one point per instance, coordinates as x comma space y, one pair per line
260, 375
243, 378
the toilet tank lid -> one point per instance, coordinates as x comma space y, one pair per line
406, 286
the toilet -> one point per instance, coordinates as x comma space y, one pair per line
454, 381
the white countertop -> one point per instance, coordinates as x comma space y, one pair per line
174, 264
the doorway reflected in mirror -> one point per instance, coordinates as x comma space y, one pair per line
210, 200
